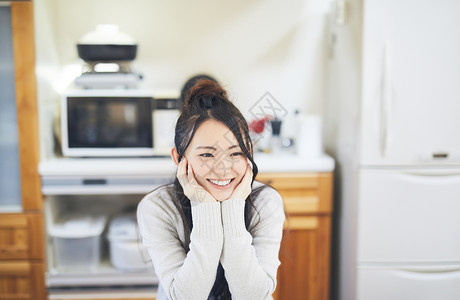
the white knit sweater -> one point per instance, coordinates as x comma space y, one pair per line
249, 257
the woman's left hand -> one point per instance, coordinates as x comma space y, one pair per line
243, 189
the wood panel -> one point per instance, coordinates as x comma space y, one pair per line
325, 190
302, 193
22, 22
305, 256
300, 205
305, 248
290, 180
21, 236
22, 269
22, 281
301, 223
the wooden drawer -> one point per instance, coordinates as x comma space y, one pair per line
290, 180
302, 193
21, 236
22, 280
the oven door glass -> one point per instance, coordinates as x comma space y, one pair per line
109, 122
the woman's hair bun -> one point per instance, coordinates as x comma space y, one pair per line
191, 82
205, 94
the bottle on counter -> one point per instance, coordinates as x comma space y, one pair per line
275, 141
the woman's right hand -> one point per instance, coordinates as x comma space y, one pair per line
192, 189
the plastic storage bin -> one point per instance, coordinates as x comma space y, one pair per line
77, 241
126, 250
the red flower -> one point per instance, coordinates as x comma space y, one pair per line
257, 126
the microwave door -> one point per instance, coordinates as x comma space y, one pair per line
109, 126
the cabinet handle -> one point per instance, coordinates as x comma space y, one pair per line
433, 273
434, 173
94, 181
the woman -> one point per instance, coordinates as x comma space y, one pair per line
214, 233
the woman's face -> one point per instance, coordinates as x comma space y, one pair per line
216, 159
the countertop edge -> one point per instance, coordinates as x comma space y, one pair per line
164, 166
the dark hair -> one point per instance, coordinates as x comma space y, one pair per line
190, 83
207, 100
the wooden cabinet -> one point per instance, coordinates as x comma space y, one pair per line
22, 270
20, 237
18, 280
26, 104
305, 248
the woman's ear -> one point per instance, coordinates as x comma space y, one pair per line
175, 155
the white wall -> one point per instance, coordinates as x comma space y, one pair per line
251, 47
48, 71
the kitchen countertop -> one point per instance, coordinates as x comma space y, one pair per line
284, 162
90, 176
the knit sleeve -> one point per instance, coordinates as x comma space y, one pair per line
182, 275
250, 259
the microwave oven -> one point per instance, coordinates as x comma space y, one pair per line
117, 123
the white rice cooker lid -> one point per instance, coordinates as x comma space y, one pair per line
123, 228
107, 34
78, 226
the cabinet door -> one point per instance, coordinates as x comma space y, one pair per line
22, 281
22, 269
10, 185
410, 84
21, 236
26, 102
305, 248
304, 256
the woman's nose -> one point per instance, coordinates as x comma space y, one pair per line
223, 167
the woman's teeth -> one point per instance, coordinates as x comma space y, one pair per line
220, 182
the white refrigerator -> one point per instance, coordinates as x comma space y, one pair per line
392, 121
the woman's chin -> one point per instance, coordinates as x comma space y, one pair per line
222, 195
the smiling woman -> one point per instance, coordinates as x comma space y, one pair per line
214, 233
216, 159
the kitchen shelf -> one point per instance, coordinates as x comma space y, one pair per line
90, 167
103, 293
102, 185
104, 275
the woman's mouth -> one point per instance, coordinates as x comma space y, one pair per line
221, 183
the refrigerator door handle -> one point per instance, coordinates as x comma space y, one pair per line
430, 272
385, 100
434, 173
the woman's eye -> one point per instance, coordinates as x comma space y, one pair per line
206, 155
236, 154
